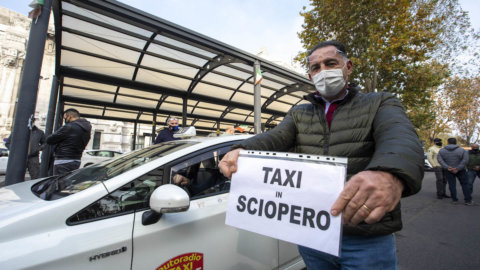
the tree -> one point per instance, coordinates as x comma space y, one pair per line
439, 117
463, 95
399, 46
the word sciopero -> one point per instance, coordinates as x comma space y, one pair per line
295, 214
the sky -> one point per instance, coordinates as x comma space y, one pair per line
267, 28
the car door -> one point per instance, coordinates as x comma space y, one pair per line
103, 230
199, 238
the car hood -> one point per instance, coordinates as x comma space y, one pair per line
17, 199
23, 213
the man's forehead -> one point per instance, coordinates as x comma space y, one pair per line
325, 52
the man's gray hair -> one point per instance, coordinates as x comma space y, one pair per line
171, 118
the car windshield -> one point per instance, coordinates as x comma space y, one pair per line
56, 187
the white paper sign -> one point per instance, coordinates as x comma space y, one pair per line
288, 196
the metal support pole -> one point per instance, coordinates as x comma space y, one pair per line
56, 125
184, 112
58, 113
45, 164
257, 101
27, 97
154, 125
134, 139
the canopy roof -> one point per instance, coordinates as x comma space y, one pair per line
119, 63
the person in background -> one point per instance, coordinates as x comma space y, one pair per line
36, 144
437, 168
166, 134
385, 158
69, 141
229, 131
454, 159
473, 166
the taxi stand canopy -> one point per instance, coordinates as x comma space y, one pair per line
119, 63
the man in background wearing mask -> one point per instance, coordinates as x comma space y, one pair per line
167, 133
473, 166
69, 141
454, 159
385, 158
437, 168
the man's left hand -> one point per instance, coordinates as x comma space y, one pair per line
368, 196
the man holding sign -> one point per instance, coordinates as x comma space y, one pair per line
385, 158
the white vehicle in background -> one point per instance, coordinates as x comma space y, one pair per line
90, 157
427, 166
3, 160
128, 213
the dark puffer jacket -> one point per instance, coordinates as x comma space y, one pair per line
372, 130
71, 139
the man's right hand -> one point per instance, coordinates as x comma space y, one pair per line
453, 170
228, 164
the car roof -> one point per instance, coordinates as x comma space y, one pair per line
219, 139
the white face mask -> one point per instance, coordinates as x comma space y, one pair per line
329, 82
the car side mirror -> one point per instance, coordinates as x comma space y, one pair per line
169, 198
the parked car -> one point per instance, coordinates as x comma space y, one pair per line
3, 160
427, 166
90, 157
128, 213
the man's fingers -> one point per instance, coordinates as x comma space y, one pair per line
375, 215
356, 205
344, 198
228, 164
360, 215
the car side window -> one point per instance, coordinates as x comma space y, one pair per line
129, 198
104, 154
199, 175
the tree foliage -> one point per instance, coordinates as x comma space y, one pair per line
439, 118
463, 95
400, 46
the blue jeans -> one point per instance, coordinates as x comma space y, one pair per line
358, 252
471, 178
452, 185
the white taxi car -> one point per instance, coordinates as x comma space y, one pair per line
127, 213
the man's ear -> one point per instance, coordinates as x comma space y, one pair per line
310, 76
349, 67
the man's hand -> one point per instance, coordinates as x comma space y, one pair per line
228, 164
453, 170
368, 196
180, 180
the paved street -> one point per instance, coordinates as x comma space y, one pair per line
436, 235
